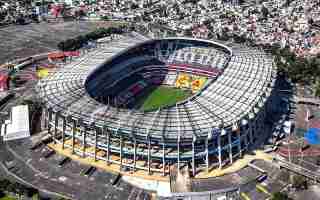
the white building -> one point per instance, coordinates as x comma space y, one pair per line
18, 126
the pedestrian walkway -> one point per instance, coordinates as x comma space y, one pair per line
308, 100
162, 188
237, 165
113, 168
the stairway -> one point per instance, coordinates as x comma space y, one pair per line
180, 179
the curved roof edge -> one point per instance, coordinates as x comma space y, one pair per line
95, 70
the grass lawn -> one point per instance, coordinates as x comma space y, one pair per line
7, 198
161, 96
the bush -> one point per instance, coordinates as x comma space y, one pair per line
67, 45
298, 69
30, 192
280, 196
4, 183
79, 41
299, 182
17, 188
106, 18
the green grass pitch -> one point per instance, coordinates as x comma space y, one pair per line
162, 96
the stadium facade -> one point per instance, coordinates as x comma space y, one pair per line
89, 110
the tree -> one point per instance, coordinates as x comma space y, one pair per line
317, 93
19, 189
280, 196
4, 183
78, 42
299, 182
31, 192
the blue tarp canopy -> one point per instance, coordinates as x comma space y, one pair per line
313, 136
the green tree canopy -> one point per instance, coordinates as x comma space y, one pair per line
280, 196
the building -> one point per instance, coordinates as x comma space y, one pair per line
18, 126
212, 128
200, 32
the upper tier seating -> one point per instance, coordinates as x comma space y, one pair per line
204, 71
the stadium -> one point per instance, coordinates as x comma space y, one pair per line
148, 104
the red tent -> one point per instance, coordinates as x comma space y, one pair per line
3, 82
314, 123
56, 55
72, 53
56, 10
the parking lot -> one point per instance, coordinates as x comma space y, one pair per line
47, 171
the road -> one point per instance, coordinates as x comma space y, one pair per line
299, 169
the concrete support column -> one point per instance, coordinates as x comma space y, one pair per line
178, 144
219, 152
63, 131
46, 118
95, 143
230, 147
108, 145
207, 153
193, 158
121, 151
84, 133
49, 120
149, 155
265, 111
246, 138
135, 155
239, 144
163, 158
254, 129
56, 118
262, 122
44, 114
250, 132
73, 134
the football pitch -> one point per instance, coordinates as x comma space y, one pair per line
161, 96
